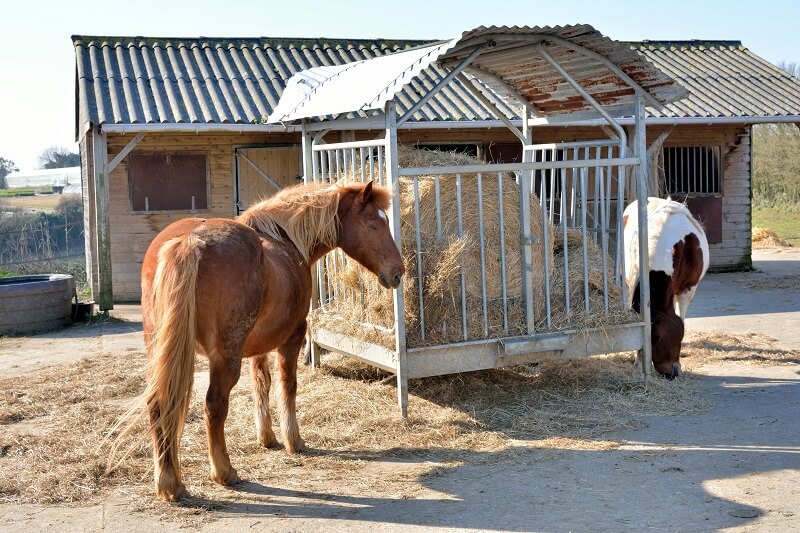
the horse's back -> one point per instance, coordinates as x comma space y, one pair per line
676, 241
223, 241
231, 276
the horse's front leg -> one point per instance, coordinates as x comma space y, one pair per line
288, 354
224, 374
259, 368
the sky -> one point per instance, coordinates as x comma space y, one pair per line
37, 61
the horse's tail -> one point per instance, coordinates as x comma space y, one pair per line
171, 351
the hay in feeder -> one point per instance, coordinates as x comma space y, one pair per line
572, 313
364, 309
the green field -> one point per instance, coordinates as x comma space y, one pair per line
776, 180
785, 222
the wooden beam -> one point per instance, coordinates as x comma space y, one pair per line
124, 152
105, 297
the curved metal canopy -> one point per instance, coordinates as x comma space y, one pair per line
514, 63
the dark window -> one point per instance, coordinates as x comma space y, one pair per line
504, 152
168, 182
692, 170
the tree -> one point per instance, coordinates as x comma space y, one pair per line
58, 157
790, 67
7, 166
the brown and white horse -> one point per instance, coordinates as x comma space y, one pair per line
234, 289
678, 252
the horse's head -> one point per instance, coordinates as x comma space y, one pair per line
364, 232
667, 335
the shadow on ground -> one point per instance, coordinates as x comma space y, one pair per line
682, 473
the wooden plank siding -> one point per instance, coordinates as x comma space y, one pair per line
131, 232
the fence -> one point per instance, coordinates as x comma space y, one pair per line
35, 239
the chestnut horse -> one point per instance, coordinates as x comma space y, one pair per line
679, 258
234, 289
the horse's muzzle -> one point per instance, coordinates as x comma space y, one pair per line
390, 281
676, 372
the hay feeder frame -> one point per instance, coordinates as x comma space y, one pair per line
338, 99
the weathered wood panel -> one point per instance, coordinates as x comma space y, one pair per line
132, 231
282, 165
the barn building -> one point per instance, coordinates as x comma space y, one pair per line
176, 127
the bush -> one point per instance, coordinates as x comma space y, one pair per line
26, 237
776, 166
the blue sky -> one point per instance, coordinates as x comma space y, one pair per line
37, 72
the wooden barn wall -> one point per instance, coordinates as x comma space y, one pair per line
734, 252
132, 232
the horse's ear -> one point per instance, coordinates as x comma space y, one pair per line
365, 195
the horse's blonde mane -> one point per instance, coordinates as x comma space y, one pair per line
306, 214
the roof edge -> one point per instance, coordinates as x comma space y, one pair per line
123, 129
296, 42
687, 42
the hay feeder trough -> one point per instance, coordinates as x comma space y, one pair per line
506, 263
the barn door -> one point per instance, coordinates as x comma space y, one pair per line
261, 172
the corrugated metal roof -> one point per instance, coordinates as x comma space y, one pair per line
358, 86
140, 80
724, 79
508, 65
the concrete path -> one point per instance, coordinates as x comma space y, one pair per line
764, 301
736, 467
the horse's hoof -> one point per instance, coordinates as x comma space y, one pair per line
269, 441
232, 478
299, 446
174, 495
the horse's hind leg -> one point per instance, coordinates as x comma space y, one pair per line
223, 376
288, 354
259, 367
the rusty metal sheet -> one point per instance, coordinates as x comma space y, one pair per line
507, 64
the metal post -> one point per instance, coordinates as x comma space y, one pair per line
393, 181
308, 154
308, 177
526, 240
642, 172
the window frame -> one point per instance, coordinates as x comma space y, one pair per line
716, 150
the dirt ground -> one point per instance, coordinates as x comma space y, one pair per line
736, 466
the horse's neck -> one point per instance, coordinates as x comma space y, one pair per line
318, 253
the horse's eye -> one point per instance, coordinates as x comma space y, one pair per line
372, 225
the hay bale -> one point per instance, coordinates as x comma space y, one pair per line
443, 258
767, 238
576, 316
